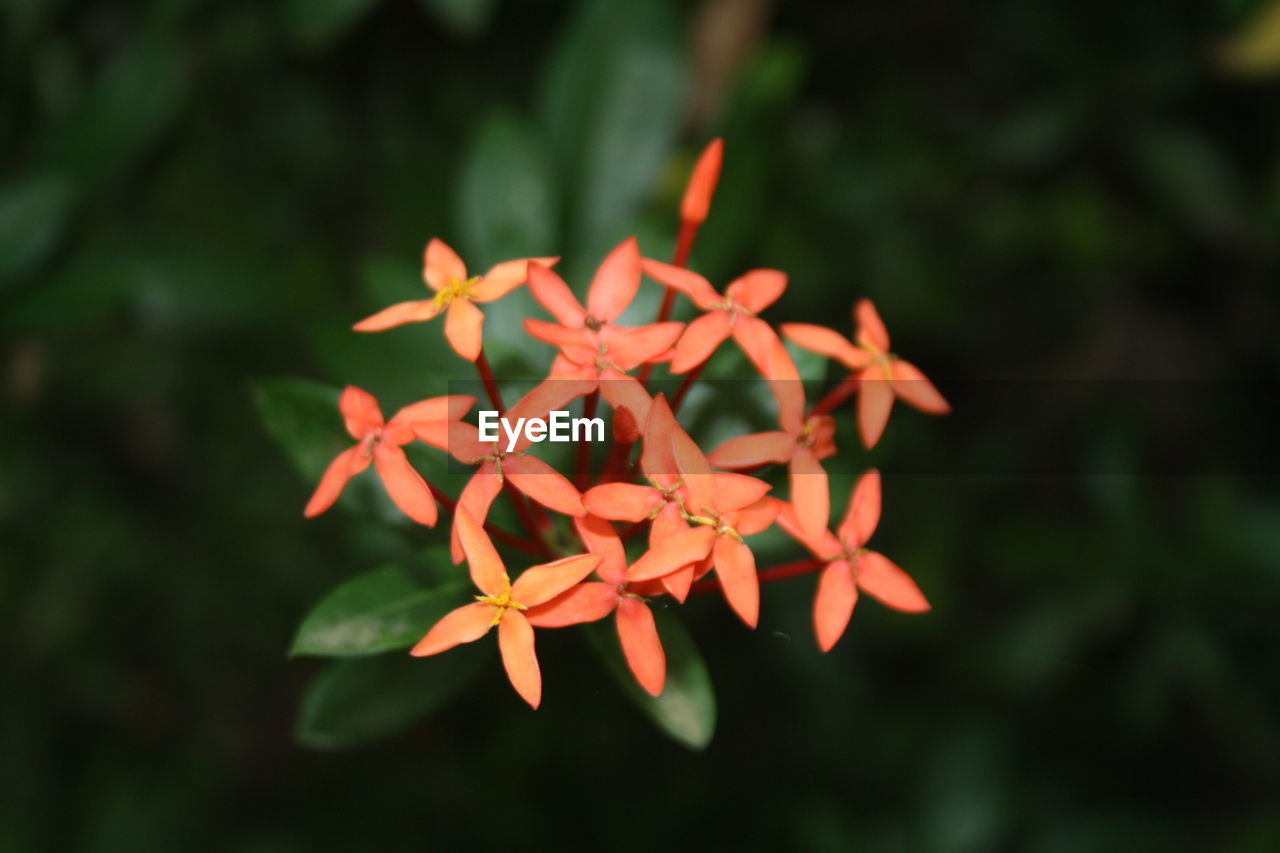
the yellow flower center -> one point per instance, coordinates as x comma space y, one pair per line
501, 602
457, 289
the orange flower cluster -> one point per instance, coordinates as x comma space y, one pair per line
698, 510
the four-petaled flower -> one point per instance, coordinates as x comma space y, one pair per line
881, 374
504, 604
446, 274
381, 443
851, 566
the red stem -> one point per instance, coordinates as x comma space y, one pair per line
774, 573
490, 384
582, 475
683, 391
450, 505
836, 395
684, 245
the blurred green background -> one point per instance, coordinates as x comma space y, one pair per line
197, 195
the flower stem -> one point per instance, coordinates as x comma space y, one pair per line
451, 506
582, 474
490, 384
836, 395
773, 573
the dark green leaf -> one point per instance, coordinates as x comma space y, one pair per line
352, 702
377, 612
302, 416
316, 24
33, 215
686, 709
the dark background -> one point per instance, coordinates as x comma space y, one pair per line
1052, 204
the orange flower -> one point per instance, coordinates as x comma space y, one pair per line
734, 313
381, 442
529, 474
851, 567
503, 604
615, 593
801, 443
696, 203
446, 274
880, 373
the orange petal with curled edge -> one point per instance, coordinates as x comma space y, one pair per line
466, 624
622, 501
735, 491
487, 570
736, 569
544, 484
586, 602
415, 311
751, 451
615, 282
826, 342
476, 498
914, 389
833, 603
696, 202
554, 295
463, 327
515, 641
641, 646
810, 493
863, 513
870, 328
345, 465
505, 277
541, 583
633, 347
700, 340
360, 411
875, 400
755, 518
880, 578
757, 289
692, 285
406, 487
667, 555
603, 541
441, 265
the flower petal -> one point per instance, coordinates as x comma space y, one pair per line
914, 389
624, 392
875, 400
467, 624
696, 202
515, 641
735, 491
586, 602
633, 347
441, 265
555, 296
755, 518
833, 603
602, 540
345, 465
692, 285
641, 646
487, 571
751, 451
700, 340
757, 289
826, 342
622, 501
667, 555
823, 545
810, 494
538, 584
871, 330
764, 349
405, 485
616, 282
656, 458
736, 568
544, 484
450, 408
505, 277
415, 311
863, 513
576, 344
880, 578
678, 583
695, 472
476, 498
359, 411
463, 327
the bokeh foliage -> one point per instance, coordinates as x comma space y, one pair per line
198, 198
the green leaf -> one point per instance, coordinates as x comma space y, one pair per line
506, 206
352, 702
33, 215
316, 24
465, 18
686, 709
612, 100
302, 416
381, 611
125, 111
